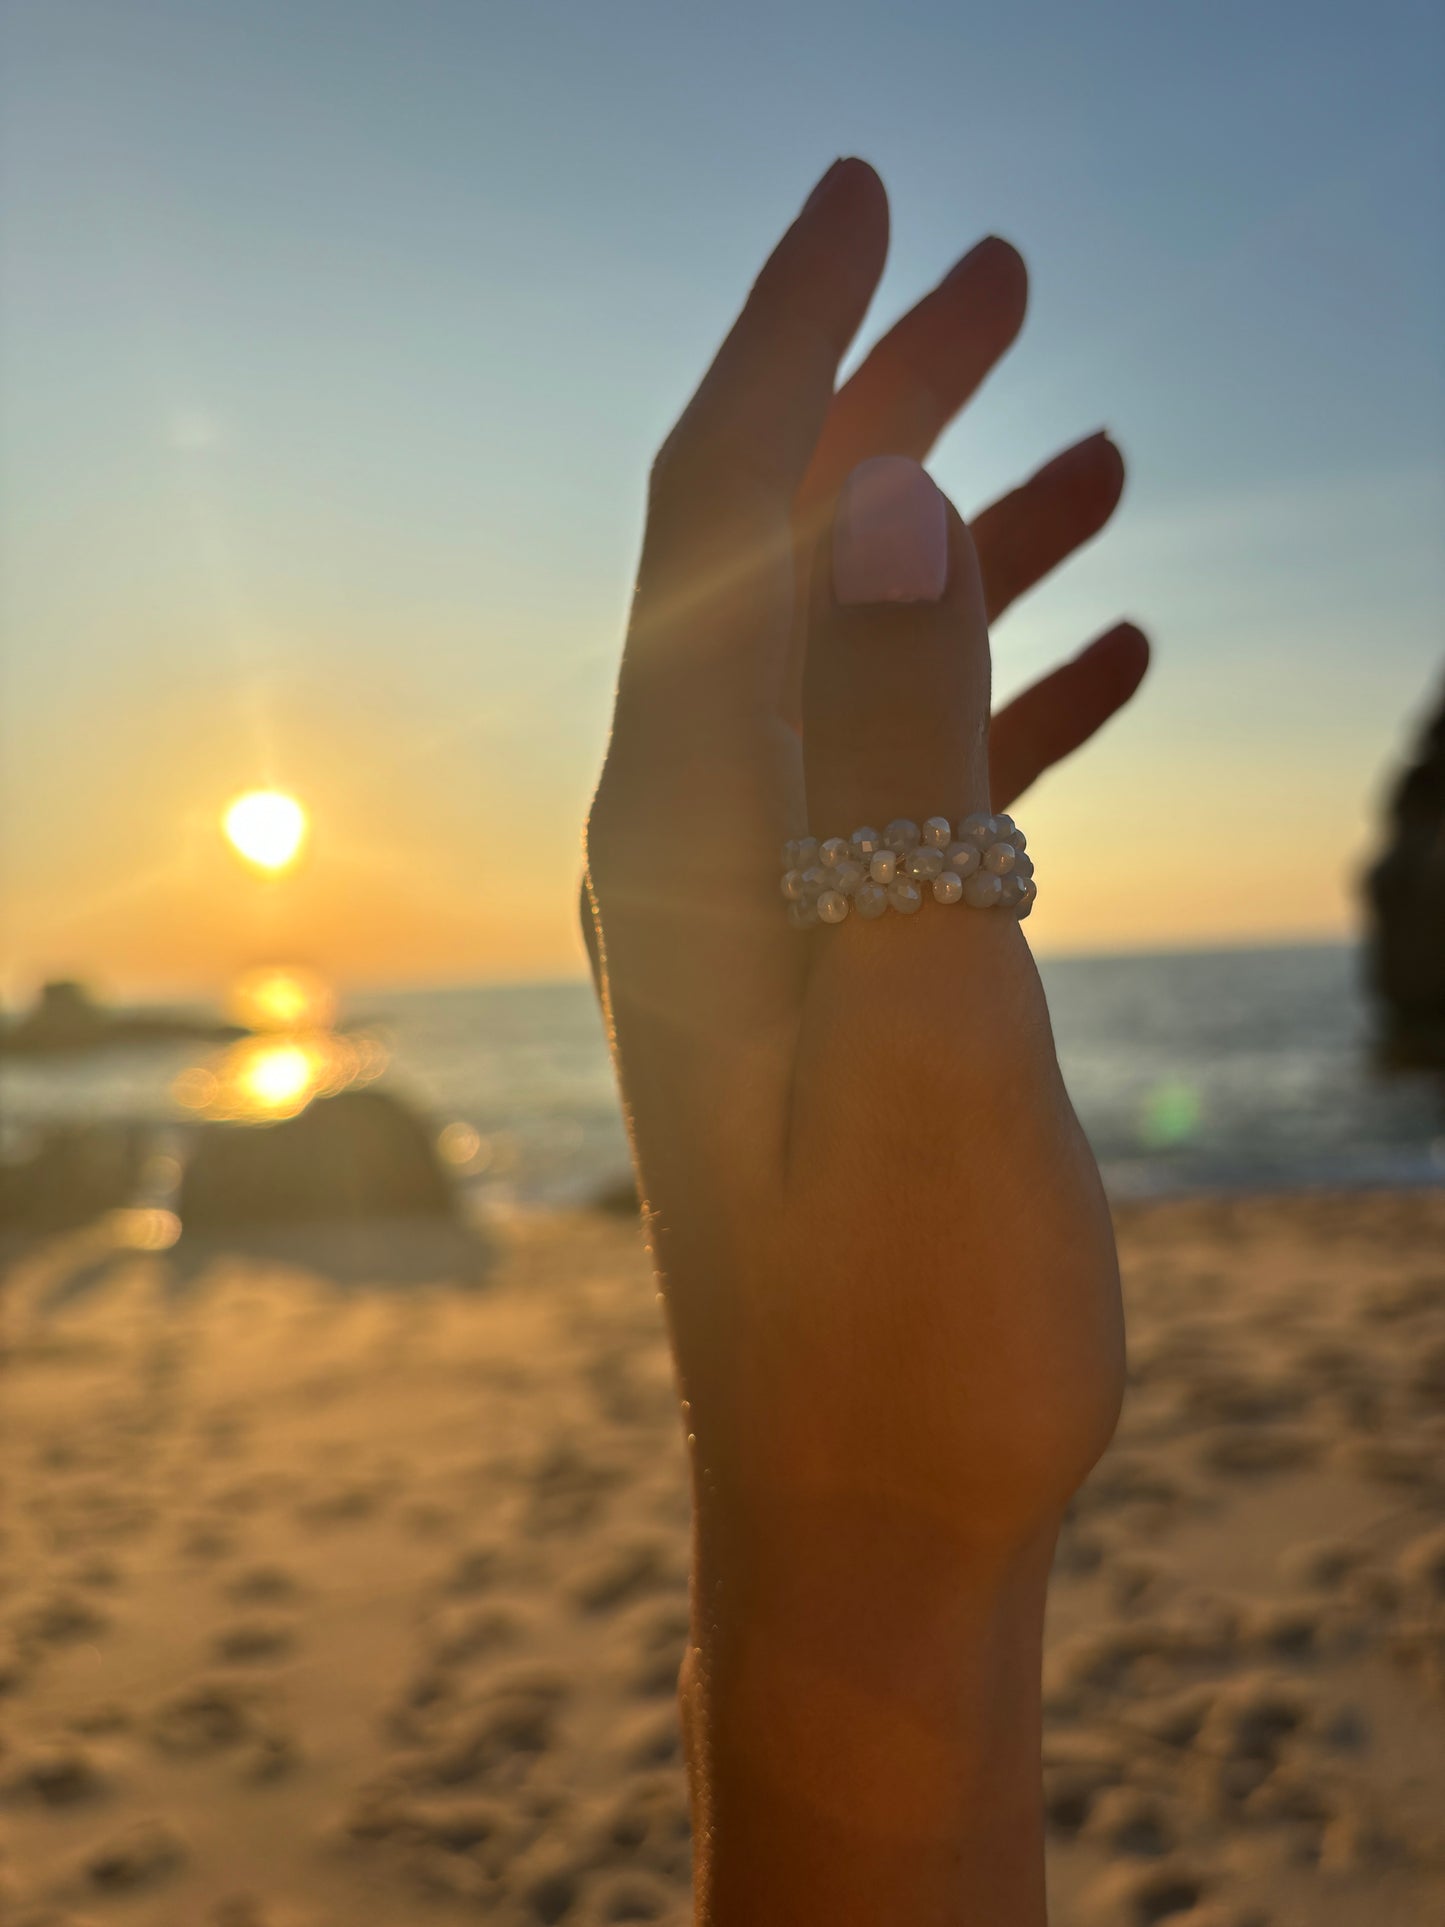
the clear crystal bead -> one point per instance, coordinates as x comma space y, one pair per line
923, 863
901, 835
982, 890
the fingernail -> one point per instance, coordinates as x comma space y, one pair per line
890, 535
823, 188
1082, 454
991, 251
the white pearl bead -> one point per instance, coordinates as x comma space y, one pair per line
884, 866
901, 835
870, 900
937, 833
848, 876
793, 885
905, 895
1003, 828
976, 829
803, 915
807, 852
832, 906
1026, 902
964, 858
982, 890
866, 843
1018, 839
814, 880
833, 852
947, 887
923, 864
1014, 888
1024, 865
1000, 858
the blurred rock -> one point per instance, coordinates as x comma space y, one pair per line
1406, 893
65, 1017
73, 1174
618, 1197
359, 1155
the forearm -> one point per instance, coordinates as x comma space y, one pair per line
861, 1702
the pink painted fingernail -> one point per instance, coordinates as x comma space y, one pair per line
890, 534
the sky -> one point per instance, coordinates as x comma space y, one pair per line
338, 336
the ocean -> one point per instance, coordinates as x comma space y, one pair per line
1242, 1070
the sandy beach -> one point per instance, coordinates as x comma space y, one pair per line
356, 1609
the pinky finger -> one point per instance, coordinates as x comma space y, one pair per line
1052, 718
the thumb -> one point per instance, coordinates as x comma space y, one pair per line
896, 683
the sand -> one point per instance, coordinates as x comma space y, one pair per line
328, 1609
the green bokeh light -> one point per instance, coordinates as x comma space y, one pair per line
1171, 1114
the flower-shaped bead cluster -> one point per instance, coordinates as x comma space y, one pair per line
984, 863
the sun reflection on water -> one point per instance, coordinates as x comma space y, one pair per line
292, 1059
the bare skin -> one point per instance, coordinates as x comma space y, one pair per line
887, 1264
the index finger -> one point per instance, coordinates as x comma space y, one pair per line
715, 577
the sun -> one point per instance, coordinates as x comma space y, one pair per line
266, 827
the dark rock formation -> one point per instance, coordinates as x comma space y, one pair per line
1406, 890
66, 1018
73, 1174
359, 1155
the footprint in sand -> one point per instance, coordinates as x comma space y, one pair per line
1249, 1450
474, 1569
204, 1718
252, 1642
141, 1856
63, 1618
567, 1488
649, 1740
625, 1573
1135, 1896
657, 1643
59, 1775
648, 1825
463, 1633
494, 1738
617, 1897
1319, 1565
264, 1585
1126, 1820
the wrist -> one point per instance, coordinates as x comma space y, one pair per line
862, 1701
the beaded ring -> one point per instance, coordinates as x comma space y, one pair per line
985, 865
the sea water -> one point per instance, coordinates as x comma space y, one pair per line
1235, 1070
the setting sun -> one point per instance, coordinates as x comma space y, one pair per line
266, 827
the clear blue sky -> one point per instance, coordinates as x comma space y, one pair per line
337, 337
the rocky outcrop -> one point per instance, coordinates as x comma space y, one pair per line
1406, 891
362, 1155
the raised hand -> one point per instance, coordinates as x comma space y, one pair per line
886, 1260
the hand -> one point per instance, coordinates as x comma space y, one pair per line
887, 1263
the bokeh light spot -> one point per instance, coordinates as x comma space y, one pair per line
1172, 1113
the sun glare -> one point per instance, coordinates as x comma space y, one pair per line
266, 827
280, 1077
